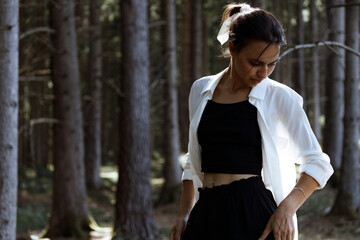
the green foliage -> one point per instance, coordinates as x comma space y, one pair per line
28, 181
110, 9
32, 215
34, 201
163, 233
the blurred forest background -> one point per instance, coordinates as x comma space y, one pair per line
94, 121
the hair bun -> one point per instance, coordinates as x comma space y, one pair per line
238, 8
235, 10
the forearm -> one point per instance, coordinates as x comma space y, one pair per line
305, 186
187, 199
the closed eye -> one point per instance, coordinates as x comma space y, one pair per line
255, 63
272, 64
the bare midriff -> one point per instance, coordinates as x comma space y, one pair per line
217, 179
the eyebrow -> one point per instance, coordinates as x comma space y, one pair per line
258, 61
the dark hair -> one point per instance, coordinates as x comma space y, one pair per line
256, 24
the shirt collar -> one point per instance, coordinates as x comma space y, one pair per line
211, 85
259, 90
256, 92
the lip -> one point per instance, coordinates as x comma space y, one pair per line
255, 80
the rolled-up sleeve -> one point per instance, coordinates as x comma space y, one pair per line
188, 171
307, 150
317, 166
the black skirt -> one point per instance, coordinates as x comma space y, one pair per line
237, 211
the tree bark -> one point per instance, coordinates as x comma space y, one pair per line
38, 135
134, 218
69, 215
315, 79
196, 40
9, 66
347, 200
94, 105
288, 70
335, 77
192, 56
299, 84
172, 170
258, 3
185, 75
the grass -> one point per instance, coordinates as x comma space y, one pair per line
34, 202
34, 207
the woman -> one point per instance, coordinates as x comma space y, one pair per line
246, 134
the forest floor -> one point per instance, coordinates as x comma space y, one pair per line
34, 208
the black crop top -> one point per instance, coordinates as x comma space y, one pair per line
230, 139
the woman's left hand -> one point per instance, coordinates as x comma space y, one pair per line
281, 224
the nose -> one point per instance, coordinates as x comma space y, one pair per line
262, 72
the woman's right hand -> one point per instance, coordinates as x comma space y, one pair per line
178, 229
186, 204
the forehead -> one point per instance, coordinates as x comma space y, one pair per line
261, 51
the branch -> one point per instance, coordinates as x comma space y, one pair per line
37, 121
34, 78
319, 44
42, 120
157, 23
111, 83
344, 5
35, 30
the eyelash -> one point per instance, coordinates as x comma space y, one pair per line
258, 64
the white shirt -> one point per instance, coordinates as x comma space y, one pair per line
287, 137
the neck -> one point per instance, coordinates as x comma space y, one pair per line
233, 82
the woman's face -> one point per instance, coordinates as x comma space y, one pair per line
254, 63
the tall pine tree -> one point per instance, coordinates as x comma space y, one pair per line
134, 218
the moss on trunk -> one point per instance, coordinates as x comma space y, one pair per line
71, 226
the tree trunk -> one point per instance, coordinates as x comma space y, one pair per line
172, 170
347, 200
41, 131
111, 82
69, 215
276, 6
315, 79
9, 66
205, 48
93, 106
37, 133
288, 71
134, 218
258, 3
299, 66
335, 77
191, 61
185, 75
196, 40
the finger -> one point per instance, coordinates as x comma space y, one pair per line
288, 235
277, 236
293, 234
284, 234
266, 232
172, 234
